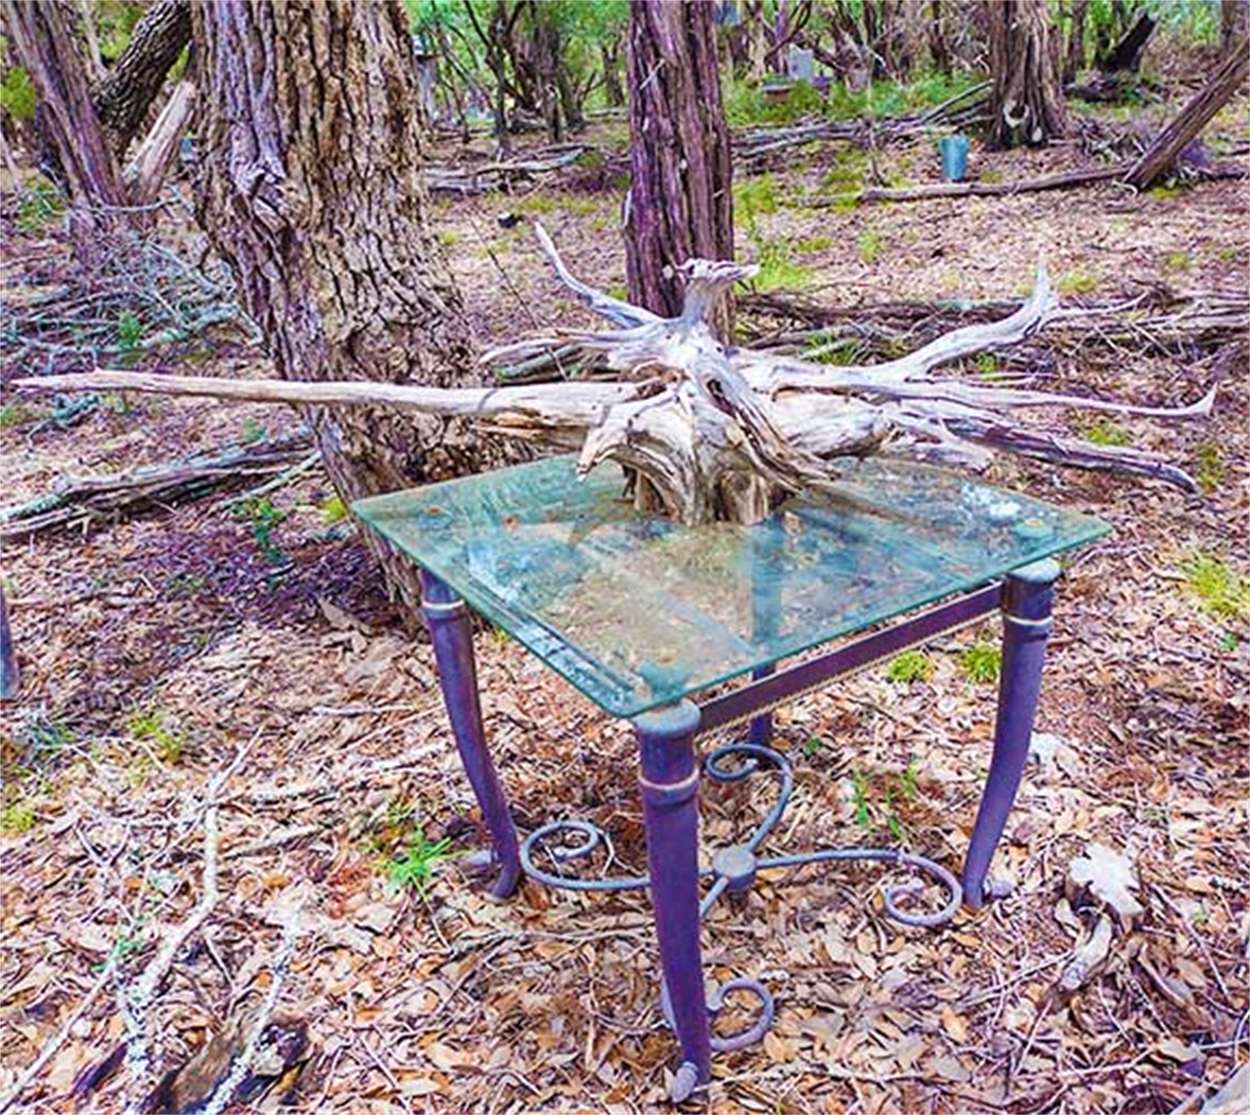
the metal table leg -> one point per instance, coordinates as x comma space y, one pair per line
8, 659
451, 633
669, 784
1027, 601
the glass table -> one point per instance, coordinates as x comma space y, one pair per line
643, 616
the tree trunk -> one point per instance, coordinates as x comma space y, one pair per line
1026, 102
610, 58
1234, 23
311, 188
1074, 59
1161, 157
123, 99
939, 52
680, 204
1126, 55
43, 40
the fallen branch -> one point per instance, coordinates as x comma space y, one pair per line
81, 501
134, 1004
498, 175
1065, 181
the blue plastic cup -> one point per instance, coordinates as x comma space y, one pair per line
954, 151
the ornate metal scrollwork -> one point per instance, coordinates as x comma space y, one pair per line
570, 843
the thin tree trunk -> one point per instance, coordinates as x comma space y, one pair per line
312, 190
1160, 158
43, 40
1026, 101
123, 99
680, 204
1074, 58
939, 52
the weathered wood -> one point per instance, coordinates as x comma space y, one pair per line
680, 199
1160, 157
312, 191
720, 433
160, 147
1026, 100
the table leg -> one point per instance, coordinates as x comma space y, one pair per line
669, 784
451, 633
1027, 598
8, 660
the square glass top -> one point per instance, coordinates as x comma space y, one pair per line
637, 611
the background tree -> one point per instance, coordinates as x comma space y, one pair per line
44, 40
1026, 99
680, 200
311, 189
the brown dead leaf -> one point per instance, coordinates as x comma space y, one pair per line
956, 1028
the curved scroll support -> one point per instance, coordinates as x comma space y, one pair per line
714, 766
716, 1000
590, 838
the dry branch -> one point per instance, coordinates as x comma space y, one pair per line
1160, 158
717, 433
80, 501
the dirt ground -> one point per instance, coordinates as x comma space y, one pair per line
180, 659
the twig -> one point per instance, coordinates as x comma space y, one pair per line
135, 1004
224, 1091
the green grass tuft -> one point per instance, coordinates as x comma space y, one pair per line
910, 666
981, 663
1108, 433
1221, 589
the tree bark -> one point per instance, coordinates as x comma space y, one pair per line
1161, 157
1026, 101
311, 188
124, 97
1074, 58
680, 202
43, 40
1234, 23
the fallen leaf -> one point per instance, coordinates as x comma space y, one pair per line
1110, 877
956, 1028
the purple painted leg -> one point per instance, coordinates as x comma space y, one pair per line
1027, 596
8, 660
452, 635
669, 783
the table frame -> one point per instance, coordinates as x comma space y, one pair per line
669, 772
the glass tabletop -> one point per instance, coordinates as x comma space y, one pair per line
637, 611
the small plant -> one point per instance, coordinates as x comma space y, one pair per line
264, 518
1222, 590
754, 197
1108, 433
910, 666
986, 364
252, 431
812, 245
17, 818
333, 510
859, 798
1077, 282
1178, 261
813, 746
908, 780
419, 862
129, 331
18, 414
41, 204
1208, 466
981, 663
149, 726
870, 246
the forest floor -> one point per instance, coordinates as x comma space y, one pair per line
208, 669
